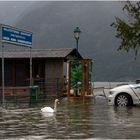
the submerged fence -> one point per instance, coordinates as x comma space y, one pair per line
40, 91
19, 94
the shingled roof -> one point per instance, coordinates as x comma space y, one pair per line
41, 53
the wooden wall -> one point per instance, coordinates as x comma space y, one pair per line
50, 71
54, 76
54, 69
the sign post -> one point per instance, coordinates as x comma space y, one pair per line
18, 37
31, 81
3, 83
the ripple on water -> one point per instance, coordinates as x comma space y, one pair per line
74, 119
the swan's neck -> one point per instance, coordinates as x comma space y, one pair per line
55, 106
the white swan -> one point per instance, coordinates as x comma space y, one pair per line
49, 109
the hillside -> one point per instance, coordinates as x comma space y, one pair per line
53, 23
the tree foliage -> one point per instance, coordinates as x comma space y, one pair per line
128, 29
76, 74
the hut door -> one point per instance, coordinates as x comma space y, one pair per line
79, 79
75, 78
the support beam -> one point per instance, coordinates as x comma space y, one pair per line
68, 76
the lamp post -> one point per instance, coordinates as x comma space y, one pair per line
77, 32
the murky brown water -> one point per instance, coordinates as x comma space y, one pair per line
75, 119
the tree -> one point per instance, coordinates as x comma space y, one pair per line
76, 74
128, 29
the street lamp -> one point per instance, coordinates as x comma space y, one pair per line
77, 32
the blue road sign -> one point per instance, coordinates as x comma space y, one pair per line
16, 36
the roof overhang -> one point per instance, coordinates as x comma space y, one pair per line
62, 53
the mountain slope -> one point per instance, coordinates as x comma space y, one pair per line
53, 23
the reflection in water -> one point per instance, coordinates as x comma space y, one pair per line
126, 121
75, 119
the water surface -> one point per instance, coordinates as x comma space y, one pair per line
75, 119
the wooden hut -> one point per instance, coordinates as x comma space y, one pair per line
47, 68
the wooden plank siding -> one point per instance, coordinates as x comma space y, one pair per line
54, 68
54, 76
17, 71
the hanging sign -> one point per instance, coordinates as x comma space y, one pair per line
15, 36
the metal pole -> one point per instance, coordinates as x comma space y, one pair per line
31, 82
57, 93
3, 81
77, 44
68, 77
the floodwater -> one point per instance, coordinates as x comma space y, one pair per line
75, 119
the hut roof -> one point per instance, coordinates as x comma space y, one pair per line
42, 53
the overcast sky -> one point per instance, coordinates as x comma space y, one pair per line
10, 11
